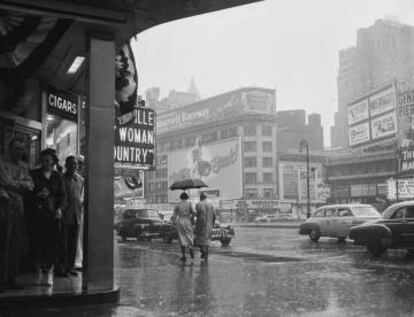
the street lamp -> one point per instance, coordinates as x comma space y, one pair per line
304, 144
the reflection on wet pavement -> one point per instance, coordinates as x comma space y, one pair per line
266, 273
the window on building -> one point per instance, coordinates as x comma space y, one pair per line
164, 186
158, 173
250, 131
209, 137
232, 132
267, 162
268, 178
151, 187
266, 131
224, 134
164, 173
250, 178
267, 146
251, 193
250, 162
250, 146
158, 186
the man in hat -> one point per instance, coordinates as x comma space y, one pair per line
15, 181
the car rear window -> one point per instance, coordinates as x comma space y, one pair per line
365, 211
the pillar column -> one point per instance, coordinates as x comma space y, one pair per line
99, 183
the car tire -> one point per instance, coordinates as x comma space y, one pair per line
314, 234
225, 241
376, 248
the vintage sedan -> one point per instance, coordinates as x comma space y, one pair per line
142, 224
395, 229
336, 220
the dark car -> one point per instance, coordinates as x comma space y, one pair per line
222, 233
142, 224
395, 229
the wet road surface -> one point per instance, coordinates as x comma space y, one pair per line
264, 272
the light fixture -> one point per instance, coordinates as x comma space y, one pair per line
76, 64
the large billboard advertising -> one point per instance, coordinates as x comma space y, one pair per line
358, 112
218, 164
406, 119
382, 102
252, 100
383, 126
359, 134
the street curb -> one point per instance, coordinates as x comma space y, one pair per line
279, 225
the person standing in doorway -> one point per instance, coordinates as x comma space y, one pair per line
204, 225
79, 249
72, 213
48, 201
15, 181
183, 218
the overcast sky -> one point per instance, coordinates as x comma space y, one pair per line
290, 45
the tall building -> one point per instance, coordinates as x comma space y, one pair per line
292, 128
384, 52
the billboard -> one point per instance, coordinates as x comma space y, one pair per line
218, 164
254, 100
406, 119
359, 134
383, 126
382, 102
358, 112
134, 140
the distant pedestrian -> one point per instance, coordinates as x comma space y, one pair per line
15, 181
204, 225
183, 217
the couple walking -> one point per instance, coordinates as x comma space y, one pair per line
183, 217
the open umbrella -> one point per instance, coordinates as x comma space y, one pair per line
188, 183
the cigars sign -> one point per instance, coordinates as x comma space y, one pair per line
134, 140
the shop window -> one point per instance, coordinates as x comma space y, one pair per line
267, 146
250, 162
266, 131
209, 137
268, 178
267, 162
250, 131
250, 146
224, 134
268, 193
61, 134
189, 141
250, 178
251, 193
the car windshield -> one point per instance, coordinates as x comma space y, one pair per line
365, 211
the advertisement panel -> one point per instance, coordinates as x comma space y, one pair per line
358, 112
359, 134
405, 189
406, 160
217, 108
129, 187
383, 126
218, 164
62, 103
382, 102
405, 112
134, 140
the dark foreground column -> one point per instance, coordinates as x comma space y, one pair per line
99, 194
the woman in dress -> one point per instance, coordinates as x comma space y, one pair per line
183, 217
48, 198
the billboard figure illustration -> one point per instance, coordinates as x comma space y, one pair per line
200, 168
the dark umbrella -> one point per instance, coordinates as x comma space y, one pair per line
188, 183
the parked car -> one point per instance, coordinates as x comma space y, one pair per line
337, 220
266, 218
222, 233
395, 229
141, 224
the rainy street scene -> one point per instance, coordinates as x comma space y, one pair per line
206, 158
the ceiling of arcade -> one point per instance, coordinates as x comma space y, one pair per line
123, 18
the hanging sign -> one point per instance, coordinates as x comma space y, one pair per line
62, 103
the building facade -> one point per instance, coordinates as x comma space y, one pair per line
383, 52
211, 127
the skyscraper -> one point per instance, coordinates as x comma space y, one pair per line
384, 52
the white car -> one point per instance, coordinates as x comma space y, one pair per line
266, 218
336, 220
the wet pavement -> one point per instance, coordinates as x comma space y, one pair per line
264, 272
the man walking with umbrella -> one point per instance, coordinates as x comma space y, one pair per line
204, 225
